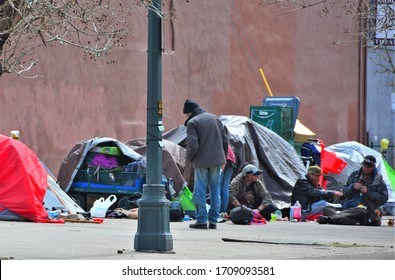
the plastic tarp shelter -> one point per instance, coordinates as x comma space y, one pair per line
256, 144
72, 162
353, 153
174, 163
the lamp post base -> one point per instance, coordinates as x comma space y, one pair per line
153, 232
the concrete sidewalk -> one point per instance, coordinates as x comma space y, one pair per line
114, 240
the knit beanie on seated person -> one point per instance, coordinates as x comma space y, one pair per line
189, 106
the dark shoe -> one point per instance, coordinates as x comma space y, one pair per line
197, 225
323, 220
212, 226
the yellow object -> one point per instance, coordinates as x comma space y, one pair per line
266, 83
302, 133
15, 134
384, 144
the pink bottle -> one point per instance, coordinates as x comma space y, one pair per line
297, 212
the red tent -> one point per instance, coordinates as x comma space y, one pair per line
23, 181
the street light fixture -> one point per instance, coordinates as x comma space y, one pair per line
153, 230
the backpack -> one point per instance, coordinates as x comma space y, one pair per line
176, 212
310, 150
241, 215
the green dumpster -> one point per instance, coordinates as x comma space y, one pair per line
276, 118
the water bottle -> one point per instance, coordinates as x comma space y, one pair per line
291, 213
297, 211
279, 215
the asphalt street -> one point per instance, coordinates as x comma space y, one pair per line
278, 240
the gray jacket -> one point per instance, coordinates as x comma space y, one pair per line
237, 190
376, 196
207, 142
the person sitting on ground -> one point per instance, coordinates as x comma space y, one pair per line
309, 193
364, 192
248, 190
132, 213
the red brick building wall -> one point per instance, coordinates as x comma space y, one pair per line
212, 54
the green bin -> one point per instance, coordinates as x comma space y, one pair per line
276, 118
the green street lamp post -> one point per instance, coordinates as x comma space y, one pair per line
153, 230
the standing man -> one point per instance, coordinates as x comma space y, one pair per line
248, 190
364, 192
207, 145
309, 193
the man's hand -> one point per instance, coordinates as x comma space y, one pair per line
235, 202
360, 187
337, 194
260, 208
363, 189
357, 186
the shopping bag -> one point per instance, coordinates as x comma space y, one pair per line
100, 206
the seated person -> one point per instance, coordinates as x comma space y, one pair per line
364, 192
309, 193
248, 190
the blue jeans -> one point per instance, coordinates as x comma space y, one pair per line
225, 177
317, 207
206, 177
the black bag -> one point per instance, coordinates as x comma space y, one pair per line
176, 212
373, 215
241, 215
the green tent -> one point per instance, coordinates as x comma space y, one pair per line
390, 173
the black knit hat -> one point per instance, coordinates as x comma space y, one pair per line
189, 106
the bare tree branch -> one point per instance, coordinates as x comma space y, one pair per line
95, 26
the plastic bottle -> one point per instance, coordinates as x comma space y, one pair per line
291, 213
297, 211
279, 215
